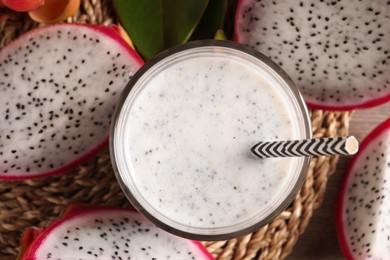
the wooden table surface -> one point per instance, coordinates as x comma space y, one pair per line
319, 241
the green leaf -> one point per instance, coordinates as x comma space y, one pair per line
212, 20
155, 25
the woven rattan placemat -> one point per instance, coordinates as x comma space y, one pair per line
37, 202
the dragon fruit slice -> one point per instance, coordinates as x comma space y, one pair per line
363, 222
59, 85
97, 232
337, 52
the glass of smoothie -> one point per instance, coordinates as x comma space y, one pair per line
181, 136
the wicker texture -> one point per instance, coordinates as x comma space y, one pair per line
37, 202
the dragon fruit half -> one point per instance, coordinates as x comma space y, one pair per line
97, 232
337, 52
59, 85
363, 221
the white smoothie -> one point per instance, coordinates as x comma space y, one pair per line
186, 137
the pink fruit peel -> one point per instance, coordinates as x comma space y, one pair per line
128, 228
339, 62
51, 95
363, 203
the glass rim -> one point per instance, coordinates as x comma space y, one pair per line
210, 43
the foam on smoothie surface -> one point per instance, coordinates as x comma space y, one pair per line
189, 136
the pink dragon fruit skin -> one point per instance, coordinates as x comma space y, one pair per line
100, 232
60, 84
362, 216
337, 52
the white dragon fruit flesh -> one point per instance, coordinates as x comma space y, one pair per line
337, 52
97, 232
363, 221
59, 85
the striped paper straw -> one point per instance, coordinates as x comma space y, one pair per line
307, 147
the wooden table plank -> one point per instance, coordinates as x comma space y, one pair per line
319, 240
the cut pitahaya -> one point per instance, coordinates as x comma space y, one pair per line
109, 233
363, 221
59, 85
337, 52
